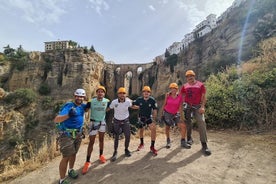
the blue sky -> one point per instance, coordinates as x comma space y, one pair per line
123, 31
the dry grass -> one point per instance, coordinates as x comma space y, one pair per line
44, 155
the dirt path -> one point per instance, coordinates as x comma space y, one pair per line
236, 158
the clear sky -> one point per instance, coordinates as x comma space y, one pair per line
123, 31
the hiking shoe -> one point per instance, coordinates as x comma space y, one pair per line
85, 167
206, 151
64, 182
190, 141
141, 146
102, 159
153, 150
73, 174
114, 156
127, 153
184, 144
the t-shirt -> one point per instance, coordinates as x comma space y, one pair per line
98, 109
74, 122
172, 104
193, 92
145, 106
121, 111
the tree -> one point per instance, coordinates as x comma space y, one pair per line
167, 53
92, 48
9, 51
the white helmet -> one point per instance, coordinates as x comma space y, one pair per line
80, 92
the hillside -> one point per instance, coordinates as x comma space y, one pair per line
34, 85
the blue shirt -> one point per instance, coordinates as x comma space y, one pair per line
145, 106
74, 122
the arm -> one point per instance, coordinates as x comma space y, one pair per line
154, 114
203, 103
165, 101
61, 118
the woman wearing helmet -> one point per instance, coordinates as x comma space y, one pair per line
173, 115
70, 119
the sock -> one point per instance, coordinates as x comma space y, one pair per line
152, 143
142, 140
168, 139
88, 158
101, 152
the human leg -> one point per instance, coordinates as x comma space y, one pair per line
188, 122
202, 132
101, 146
126, 130
167, 132
182, 128
141, 135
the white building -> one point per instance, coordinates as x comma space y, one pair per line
205, 26
188, 38
175, 48
57, 45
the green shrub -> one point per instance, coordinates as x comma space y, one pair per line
244, 103
44, 89
21, 97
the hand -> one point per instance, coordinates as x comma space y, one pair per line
201, 110
72, 112
88, 105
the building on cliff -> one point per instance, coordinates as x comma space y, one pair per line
58, 45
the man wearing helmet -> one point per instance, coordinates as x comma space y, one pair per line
147, 117
69, 122
121, 123
98, 106
194, 93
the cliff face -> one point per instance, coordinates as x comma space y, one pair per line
64, 71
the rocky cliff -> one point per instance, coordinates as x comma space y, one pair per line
61, 72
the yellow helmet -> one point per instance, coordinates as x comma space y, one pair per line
122, 90
173, 85
146, 88
102, 88
190, 72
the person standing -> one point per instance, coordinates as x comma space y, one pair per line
194, 93
147, 117
173, 115
98, 106
121, 122
69, 122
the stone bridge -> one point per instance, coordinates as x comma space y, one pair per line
128, 75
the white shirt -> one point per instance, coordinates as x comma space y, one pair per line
121, 111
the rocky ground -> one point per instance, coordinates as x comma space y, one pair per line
236, 158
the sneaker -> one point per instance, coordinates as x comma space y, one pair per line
184, 144
102, 159
64, 182
127, 153
206, 151
168, 143
141, 146
114, 156
73, 174
190, 141
85, 167
153, 150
